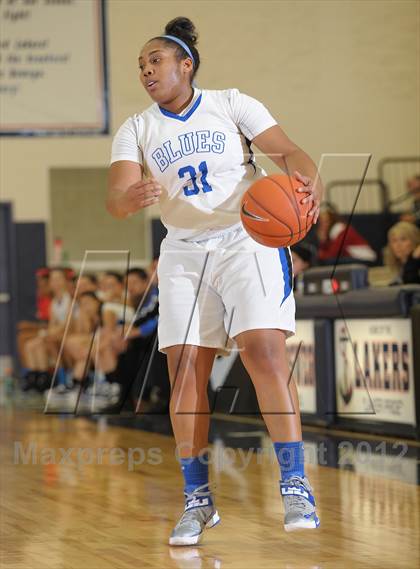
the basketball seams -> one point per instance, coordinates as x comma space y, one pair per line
292, 210
293, 235
269, 212
266, 240
256, 233
308, 224
293, 201
277, 236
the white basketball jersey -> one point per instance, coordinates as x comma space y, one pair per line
202, 158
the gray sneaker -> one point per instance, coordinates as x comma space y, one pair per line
199, 513
299, 504
61, 398
101, 396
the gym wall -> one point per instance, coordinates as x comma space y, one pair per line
340, 76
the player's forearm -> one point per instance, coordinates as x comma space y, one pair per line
114, 203
123, 176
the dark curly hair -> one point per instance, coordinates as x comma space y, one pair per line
183, 29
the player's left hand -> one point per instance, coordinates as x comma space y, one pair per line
309, 188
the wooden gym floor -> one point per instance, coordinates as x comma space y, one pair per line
67, 504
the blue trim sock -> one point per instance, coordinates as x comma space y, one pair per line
195, 471
291, 459
61, 376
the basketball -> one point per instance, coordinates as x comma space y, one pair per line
272, 212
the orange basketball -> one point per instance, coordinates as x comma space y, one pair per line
272, 212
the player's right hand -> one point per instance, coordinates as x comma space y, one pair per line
140, 195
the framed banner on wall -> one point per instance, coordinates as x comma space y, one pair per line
301, 354
374, 373
311, 357
53, 68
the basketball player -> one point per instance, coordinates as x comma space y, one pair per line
214, 280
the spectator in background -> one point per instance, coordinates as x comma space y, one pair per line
110, 342
118, 350
115, 309
101, 278
336, 237
137, 281
144, 295
79, 351
42, 351
402, 254
303, 257
128, 347
80, 340
115, 334
43, 295
71, 280
87, 283
413, 187
26, 329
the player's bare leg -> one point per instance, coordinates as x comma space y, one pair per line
263, 353
189, 371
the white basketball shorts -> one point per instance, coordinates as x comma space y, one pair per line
213, 289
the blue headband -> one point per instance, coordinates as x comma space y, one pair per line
182, 44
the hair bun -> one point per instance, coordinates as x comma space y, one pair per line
183, 29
